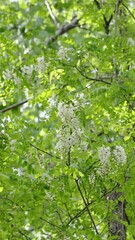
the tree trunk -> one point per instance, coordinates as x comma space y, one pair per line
116, 223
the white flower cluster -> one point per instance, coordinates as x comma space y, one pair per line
41, 64
27, 70
104, 154
63, 53
52, 101
39, 67
131, 42
80, 101
18, 170
7, 74
70, 132
118, 156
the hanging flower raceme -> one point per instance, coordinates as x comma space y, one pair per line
107, 157
119, 155
70, 133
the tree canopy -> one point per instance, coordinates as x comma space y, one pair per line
67, 119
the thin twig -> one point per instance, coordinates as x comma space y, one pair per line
86, 205
68, 211
84, 191
52, 15
7, 199
91, 79
59, 216
14, 106
52, 224
79, 213
41, 150
24, 235
90, 167
99, 79
128, 10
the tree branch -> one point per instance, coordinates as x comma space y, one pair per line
7, 199
68, 212
49, 154
64, 29
86, 205
52, 15
24, 235
14, 106
128, 10
59, 216
98, 4
107, 23
52, 224
92, 79
78, 214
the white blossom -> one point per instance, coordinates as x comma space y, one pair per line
63, 144
83, 146
70, 133
63, 52
18, 170
26, 50
80, 95
119, 155
7, 74
131, 42
27, 70
66, 113
88, 85
41, 65
92, 178
104, 154
107, 156
52, 101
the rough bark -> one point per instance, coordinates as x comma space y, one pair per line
116, 223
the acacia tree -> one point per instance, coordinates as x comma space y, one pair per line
67, 119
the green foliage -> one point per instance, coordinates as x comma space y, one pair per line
46, 191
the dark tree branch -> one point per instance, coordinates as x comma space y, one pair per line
49, 154
59, 216
98, 4
79, 213
64, 29
24, 235
14, 106
124, 5
107, 23
92, 79
85, 192
52, 224
86, 205
68, 211
9, 200
68, 157
99, 79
